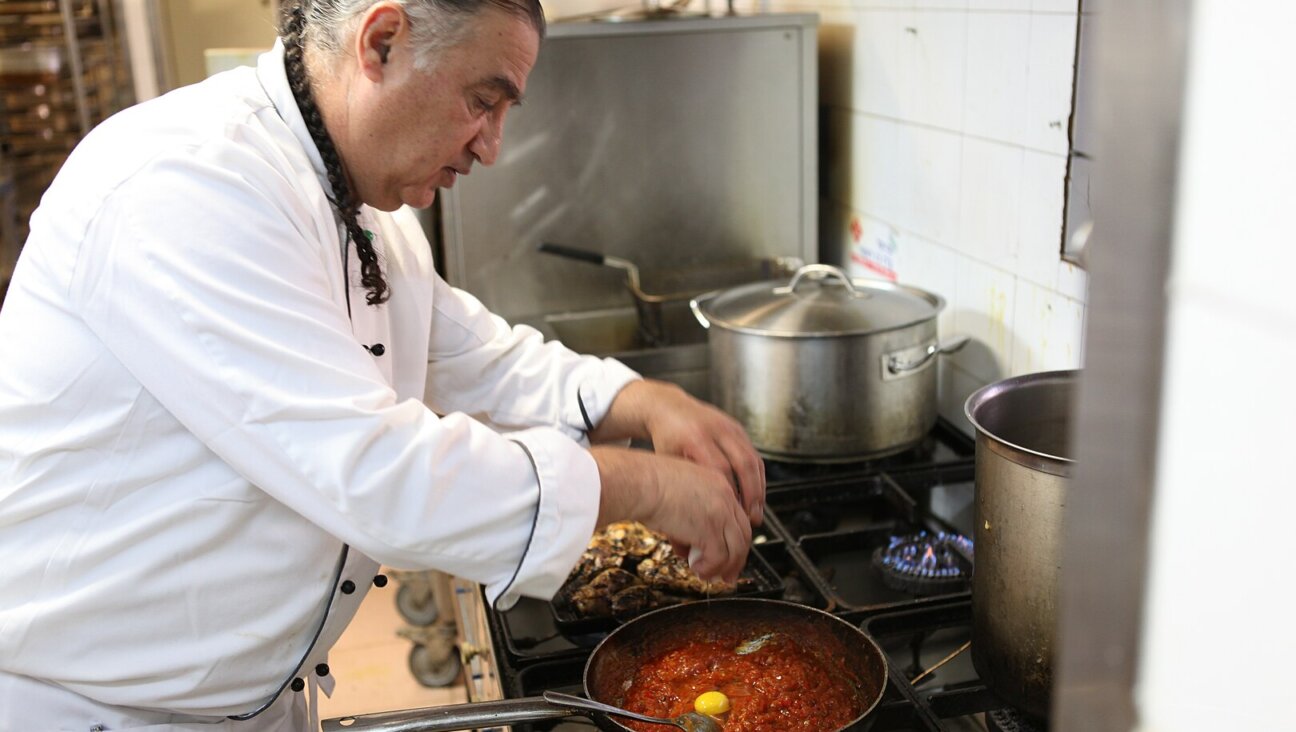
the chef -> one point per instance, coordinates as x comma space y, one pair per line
232, 385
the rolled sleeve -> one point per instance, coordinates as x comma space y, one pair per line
567, 510
510, 377
594, 397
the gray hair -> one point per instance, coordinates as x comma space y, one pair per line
435, 25
324, 25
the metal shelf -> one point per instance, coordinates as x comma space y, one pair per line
64, 68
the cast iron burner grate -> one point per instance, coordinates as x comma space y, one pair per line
926, 563
1010, 720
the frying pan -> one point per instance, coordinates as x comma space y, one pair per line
614, 661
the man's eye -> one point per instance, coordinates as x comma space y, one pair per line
482, 104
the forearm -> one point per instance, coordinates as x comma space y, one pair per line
629, 487
630, 416
684, 427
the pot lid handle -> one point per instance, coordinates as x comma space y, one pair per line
823, 271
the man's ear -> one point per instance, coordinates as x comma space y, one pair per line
383, 27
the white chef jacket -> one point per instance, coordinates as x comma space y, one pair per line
191, 427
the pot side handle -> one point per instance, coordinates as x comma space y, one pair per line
896, 367
452, 717
696, 306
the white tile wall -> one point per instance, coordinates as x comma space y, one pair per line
1073, 281
1050, 68
875, 61
956, 125
942, 4
997, 62
924, 264
875, 173
927, 181
931, 48
1048, 330
1055, 6
989, 219
905, 4
999, 5
984, 308
1043, 187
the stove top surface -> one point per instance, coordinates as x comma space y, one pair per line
823, 526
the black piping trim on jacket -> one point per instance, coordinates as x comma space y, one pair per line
337, 577
589, 426
346, 548
535, 520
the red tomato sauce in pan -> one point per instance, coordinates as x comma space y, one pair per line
782, 687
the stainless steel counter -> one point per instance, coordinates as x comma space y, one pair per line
614, 333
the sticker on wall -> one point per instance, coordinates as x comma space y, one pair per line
874, 249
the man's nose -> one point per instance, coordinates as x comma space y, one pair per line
486, 145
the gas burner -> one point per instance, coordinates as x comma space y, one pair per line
1010, 720
925, 564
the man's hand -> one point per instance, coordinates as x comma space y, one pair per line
685, 427
693, 505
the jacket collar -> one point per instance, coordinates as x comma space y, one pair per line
274, 79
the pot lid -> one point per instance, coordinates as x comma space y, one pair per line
820, 300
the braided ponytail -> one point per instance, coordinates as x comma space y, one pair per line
344, 202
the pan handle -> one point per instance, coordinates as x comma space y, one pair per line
576, 702
584, 255
452, 717
562, 250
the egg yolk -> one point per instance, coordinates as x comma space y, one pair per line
711, 703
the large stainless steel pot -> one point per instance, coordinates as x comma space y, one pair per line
1023, 467
825, 368
613, 663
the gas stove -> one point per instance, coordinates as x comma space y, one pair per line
882, 544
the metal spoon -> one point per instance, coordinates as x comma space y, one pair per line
689, 721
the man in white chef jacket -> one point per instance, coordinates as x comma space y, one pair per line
231, 385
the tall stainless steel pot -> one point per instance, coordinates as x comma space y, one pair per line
825, 368
1023, 469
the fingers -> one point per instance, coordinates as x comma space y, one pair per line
721, 551
732, 454
737, 540
749, 470
709, 437
696, 508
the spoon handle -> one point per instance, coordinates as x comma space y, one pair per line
557, 697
